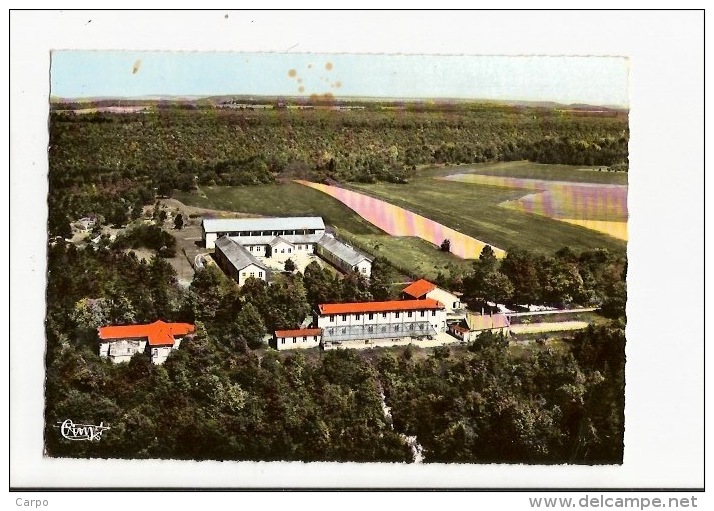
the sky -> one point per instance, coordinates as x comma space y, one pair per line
563, 79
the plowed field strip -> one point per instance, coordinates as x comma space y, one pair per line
398, 221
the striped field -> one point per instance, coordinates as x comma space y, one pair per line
596, 206
398, 221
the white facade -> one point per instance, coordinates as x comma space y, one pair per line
435, 317
364, 268
121, 342
159, 354
210, 239
304, 248
258, 250
296, 341
251, 271
238, 262
450, 300
279, 250
121, 350
383, 322
282, 250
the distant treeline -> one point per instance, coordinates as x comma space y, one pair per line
99, 162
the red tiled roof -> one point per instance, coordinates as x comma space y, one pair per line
419, 288
157, 333
393, 306
298, 333
459, 328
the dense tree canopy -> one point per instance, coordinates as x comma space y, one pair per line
488, 407
592, 278
148, 236
109, 163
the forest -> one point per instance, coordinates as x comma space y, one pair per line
111, 164
565, 279
223, 395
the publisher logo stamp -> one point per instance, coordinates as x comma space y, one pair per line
72, 431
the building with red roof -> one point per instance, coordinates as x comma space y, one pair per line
419, 289
423, 289
365, 321
121, 342
296, 339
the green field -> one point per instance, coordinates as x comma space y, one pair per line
469, 208
288, 199
474, 210
413, 256
530, 170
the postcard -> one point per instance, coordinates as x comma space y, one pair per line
343, 264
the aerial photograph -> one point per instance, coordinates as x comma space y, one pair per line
336, 257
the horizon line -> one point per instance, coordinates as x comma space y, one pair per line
333, 97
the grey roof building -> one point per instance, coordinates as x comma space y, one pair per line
278, 239
342, 255
233, 259
238, 256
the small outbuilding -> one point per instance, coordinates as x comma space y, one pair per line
472, 326
343, 256
295, 339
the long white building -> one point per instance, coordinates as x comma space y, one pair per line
380, 320
296, 339
295, 230
239, 241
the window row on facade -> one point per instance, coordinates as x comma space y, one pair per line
371, 316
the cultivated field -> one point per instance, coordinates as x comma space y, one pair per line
474, 209
399, 221
596, 206
530, 170
561, 199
